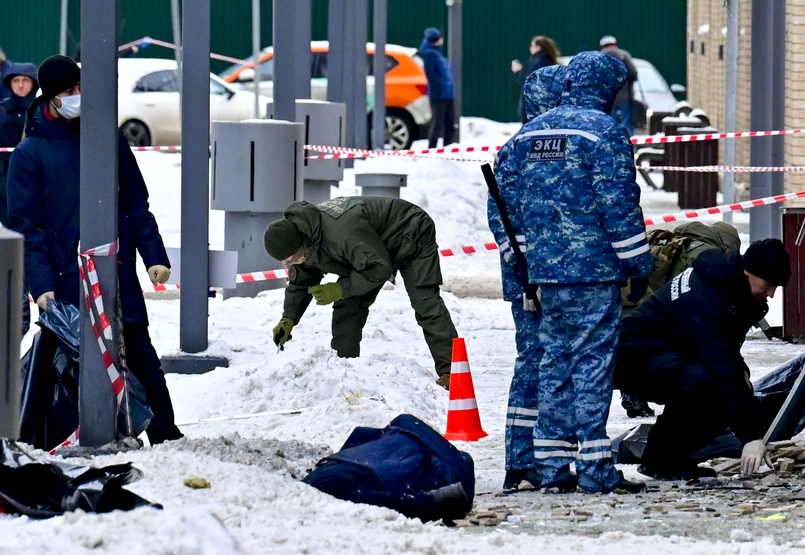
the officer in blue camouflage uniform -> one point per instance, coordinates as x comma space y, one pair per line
541, 92
570, 181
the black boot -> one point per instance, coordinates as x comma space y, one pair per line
450, 502
635, 406
514, 477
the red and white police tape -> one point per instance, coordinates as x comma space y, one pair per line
149, 40
485, 247
727, 169
92, 295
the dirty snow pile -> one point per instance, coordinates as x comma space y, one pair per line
255, 503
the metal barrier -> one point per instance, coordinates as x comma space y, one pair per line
695, 189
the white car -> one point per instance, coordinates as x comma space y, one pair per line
148, 102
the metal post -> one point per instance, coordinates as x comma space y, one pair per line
454, 48
291, 56
360, 19
761, 117
12, 248
195, 175
778, 114
379, 71
98, 175
65, 10
335, 57
256, 54
730, 102
176, 17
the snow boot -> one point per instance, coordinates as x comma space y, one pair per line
514, 477
635, 406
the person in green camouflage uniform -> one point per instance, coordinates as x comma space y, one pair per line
365, 241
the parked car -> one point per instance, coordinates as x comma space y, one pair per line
651, 88
407, 106
148, 102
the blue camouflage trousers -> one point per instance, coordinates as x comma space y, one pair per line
523, 410
578, 331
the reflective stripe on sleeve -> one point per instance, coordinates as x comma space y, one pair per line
520, 422
630, 241
632, 253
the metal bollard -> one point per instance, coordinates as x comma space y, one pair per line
381, 184
12, 246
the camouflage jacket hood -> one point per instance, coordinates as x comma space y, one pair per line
595, 80
543, 90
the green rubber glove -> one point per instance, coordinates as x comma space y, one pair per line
327, 293
282, 332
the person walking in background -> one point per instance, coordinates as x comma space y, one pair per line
21, 80
542, 92
43, 205
5, 66
543, 53
571, 179
622, 107
441, 88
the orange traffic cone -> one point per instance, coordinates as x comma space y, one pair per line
463, 419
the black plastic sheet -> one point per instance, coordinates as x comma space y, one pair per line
42, 489
50, 382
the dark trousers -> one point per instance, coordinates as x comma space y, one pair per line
144, 363
443, 123
693, 415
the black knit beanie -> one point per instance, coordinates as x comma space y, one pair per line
56, 75
281, 239
768, 259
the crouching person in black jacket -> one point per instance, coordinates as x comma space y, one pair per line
682, 348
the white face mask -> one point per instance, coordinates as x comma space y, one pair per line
70, 106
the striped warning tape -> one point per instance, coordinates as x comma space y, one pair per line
485, 247
727, 169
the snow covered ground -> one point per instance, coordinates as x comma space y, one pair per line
256, 504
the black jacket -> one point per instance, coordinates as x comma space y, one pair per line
625, 94
703, 315
43, 195
535, 62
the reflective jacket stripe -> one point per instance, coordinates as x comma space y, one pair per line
543, 132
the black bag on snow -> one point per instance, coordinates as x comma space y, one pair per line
406, 466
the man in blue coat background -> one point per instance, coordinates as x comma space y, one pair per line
441, 88
43, 203
568, 178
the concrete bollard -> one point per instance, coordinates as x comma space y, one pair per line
381, 184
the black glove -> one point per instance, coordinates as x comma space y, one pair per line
638, 287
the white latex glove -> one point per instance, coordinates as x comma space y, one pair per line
42, 301
159, 274
753, 455
516, 66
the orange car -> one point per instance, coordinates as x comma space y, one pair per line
407, 106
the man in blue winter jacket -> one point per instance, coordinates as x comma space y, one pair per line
43, 205
568, 178
441, 88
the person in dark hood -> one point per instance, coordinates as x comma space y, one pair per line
21, 81
441, 88
567, 179
43, 202
682, 348
5, 66
543, 53
622, 106
365, 241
